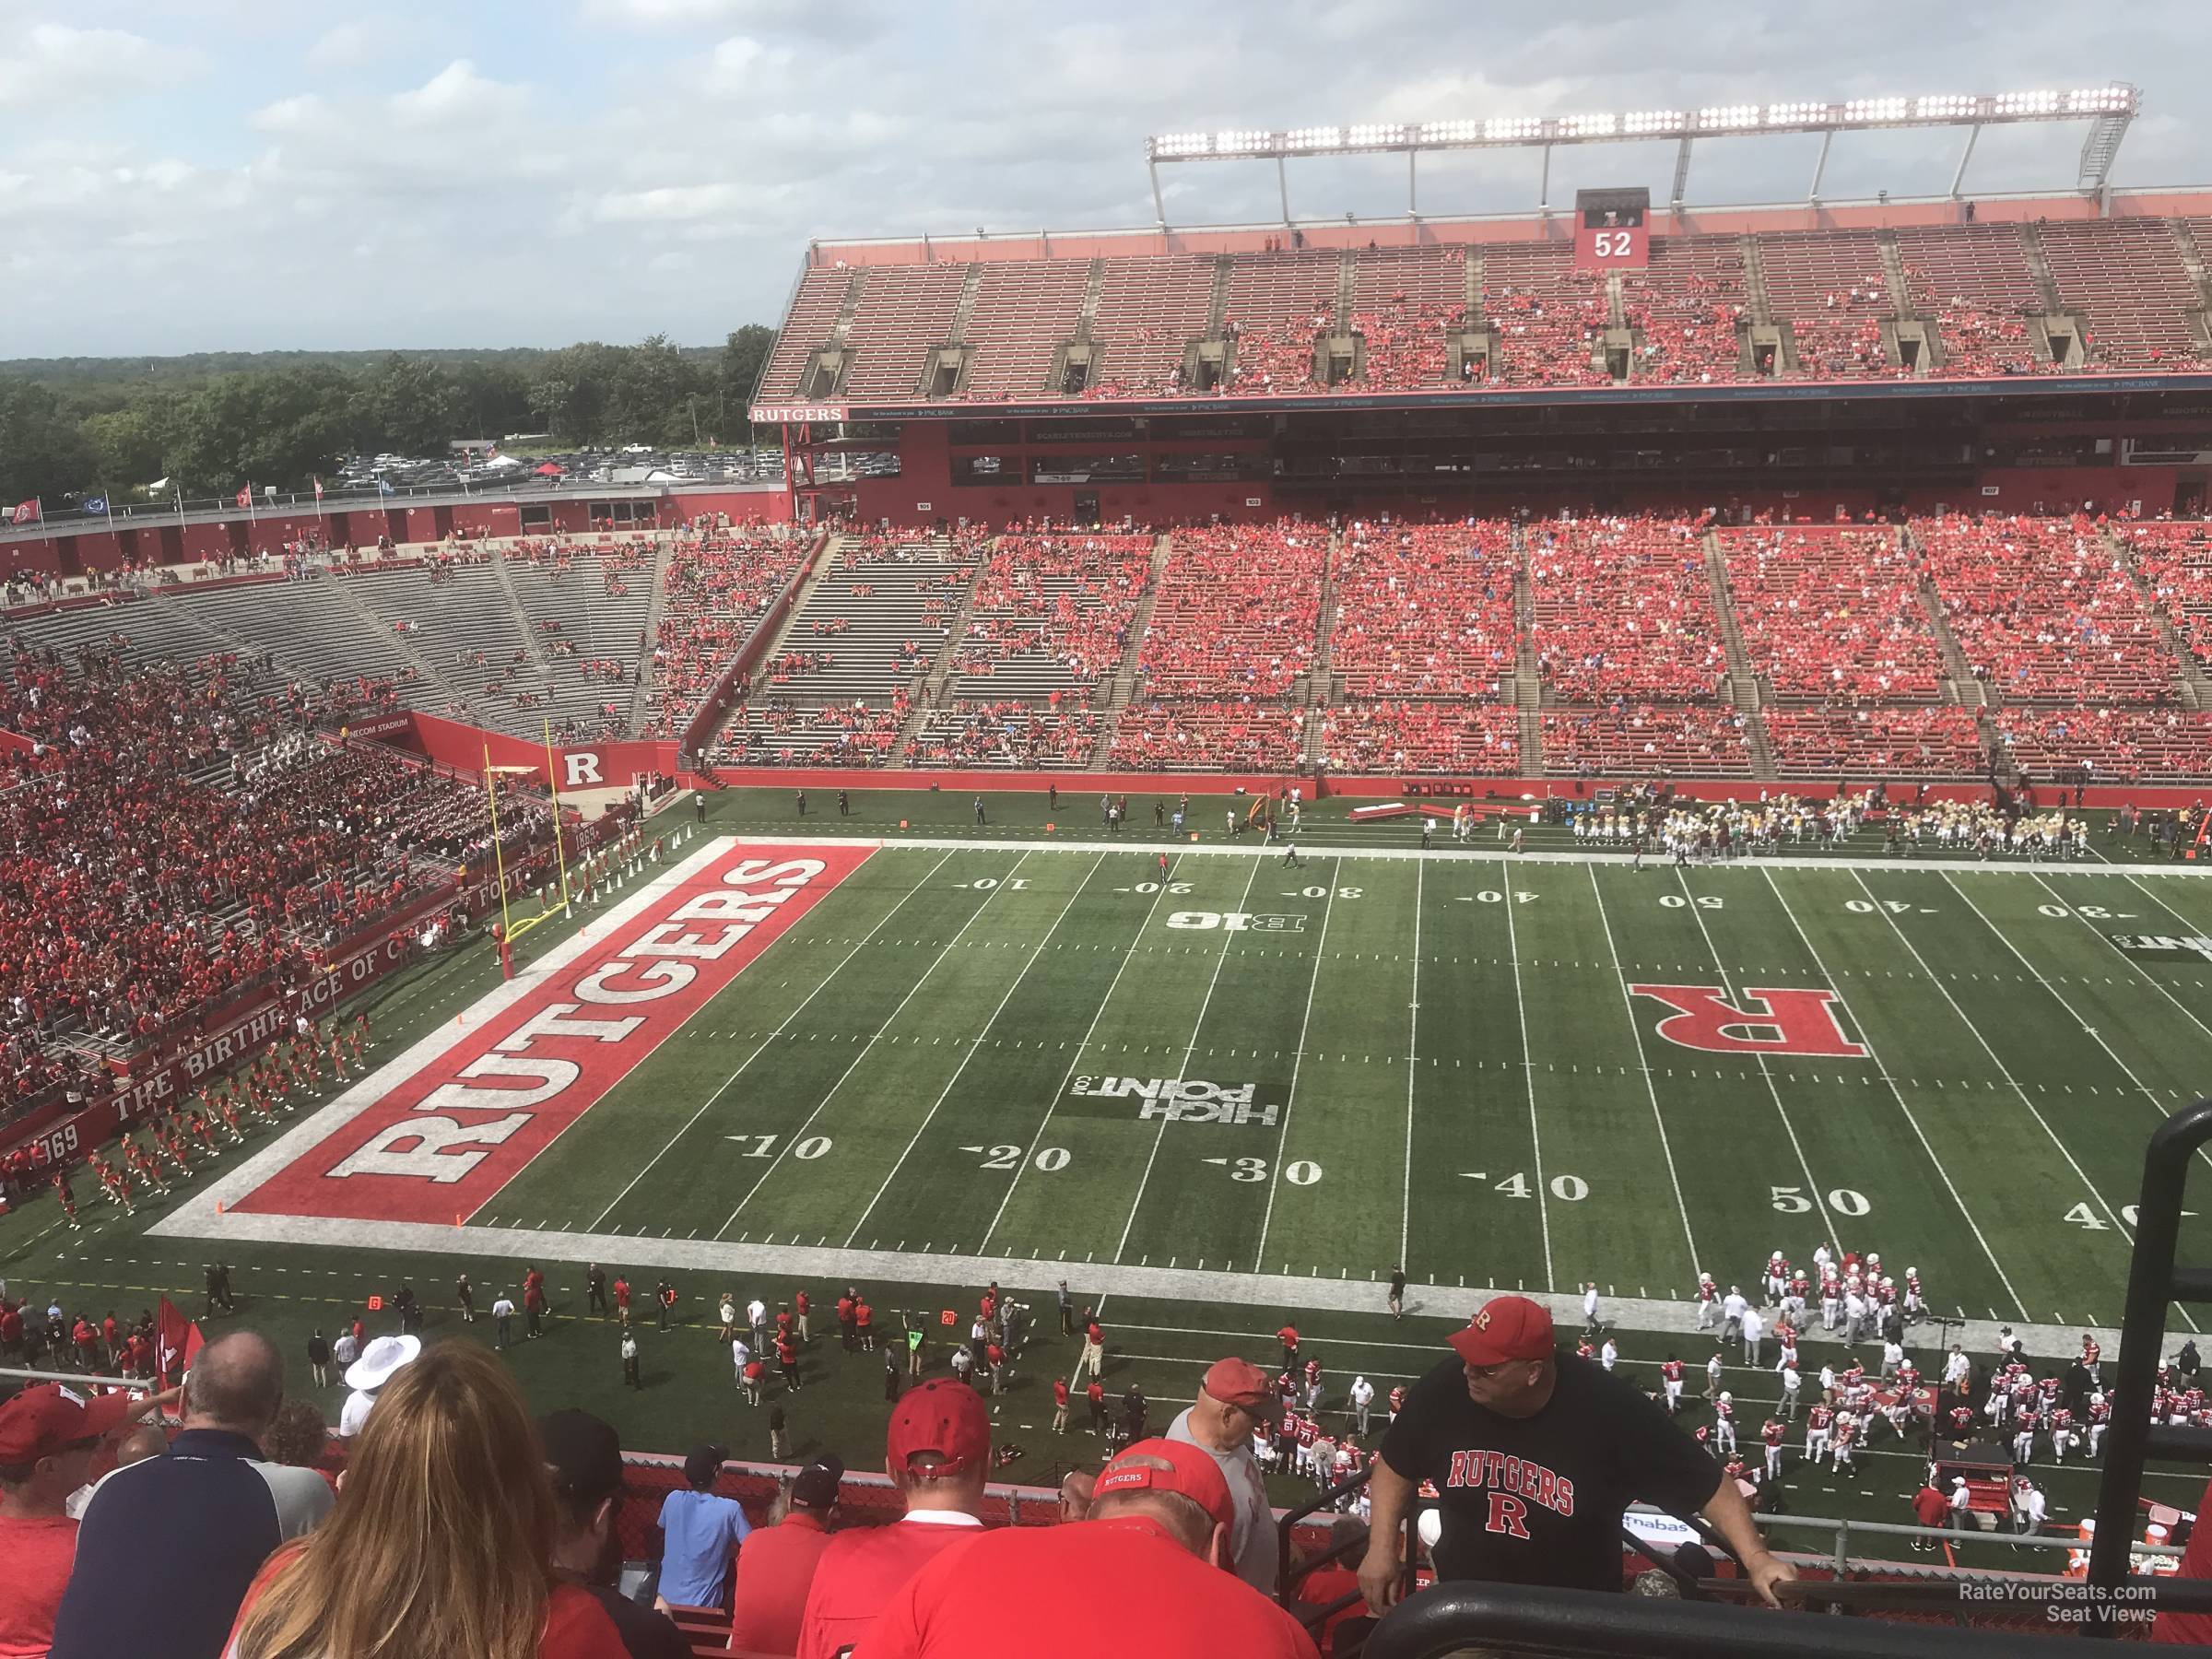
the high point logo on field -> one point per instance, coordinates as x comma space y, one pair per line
2166, 945
1182, 1099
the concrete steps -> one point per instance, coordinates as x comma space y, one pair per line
932, 687
426, 672
664, 553
1122, 686
1744, 691
2190, 679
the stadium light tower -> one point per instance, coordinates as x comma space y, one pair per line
2108, 109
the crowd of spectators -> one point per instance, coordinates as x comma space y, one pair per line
1386, 736
1979, 344
1685, 311
1624, 608
719, 586
1007, 731
2104, 743
1832, 614
2174, 559
1273, 359
1550, 336
1929, 740
1423, 610
778, 731
2045, 610
1191, 735
1238, 611
172, 836
1066, 598
1403, 343
1645, 740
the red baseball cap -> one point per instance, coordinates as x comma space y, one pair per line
1507, 1327
1238, 1382
945, 1418
1189, 1470
48, 1419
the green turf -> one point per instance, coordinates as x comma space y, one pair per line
1459, 1079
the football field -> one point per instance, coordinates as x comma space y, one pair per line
1236, 1079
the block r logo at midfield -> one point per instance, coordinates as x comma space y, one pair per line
1770, 1020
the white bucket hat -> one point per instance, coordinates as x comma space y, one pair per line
380, 1360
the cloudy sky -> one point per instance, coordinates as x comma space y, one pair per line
253, 174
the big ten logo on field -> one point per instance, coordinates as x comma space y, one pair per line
1235, 921
2181, 947
1769, 1021
1177, 1100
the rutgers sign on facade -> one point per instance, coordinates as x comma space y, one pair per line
795, 414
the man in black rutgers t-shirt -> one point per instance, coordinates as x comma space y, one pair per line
1534, 1455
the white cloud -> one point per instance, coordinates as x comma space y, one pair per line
742, 63
53, 62
287, 115
456, 93
344, 45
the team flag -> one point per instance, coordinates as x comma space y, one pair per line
176, 1340
96, 503
245, 495
26, 512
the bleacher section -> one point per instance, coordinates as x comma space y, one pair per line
718, 587
1829, 287
1934, 741
1645, 740
1974, 282
1453, 737
587, 608
1624, 608
1051, 615
840, 683
1149, 311
2124, 279
1423, 611
1833, 615
1976, 285
1685, 308
2045, 611
2175, 561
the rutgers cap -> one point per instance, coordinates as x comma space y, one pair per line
1238, 1382
816, 1485
1507, 1327
1165, 1465
48, 1419
945, 1418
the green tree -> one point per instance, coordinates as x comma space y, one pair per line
42, 455
737, 375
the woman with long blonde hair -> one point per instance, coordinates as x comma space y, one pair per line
441, 1541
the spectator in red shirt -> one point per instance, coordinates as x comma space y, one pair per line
1150, 1556
48, 1434
1336, 1580
937, 1454
775, 1568
1930, 1508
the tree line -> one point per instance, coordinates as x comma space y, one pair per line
75, 427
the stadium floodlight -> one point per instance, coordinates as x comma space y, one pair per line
1864, 111
2108, 110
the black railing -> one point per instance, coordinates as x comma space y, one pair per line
2156, 1283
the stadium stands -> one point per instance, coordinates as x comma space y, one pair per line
1686, 307
1051, 614
1833, 615
1207, 735
2045, 611
2107, 745
1403, 300
1025, 310
1276, 308
1975, 284
1007, 733
2124, 279
1149, 312
1624, 607
2175, 560
1645, 740
1423, 611
1452, 737
1238, 610
718, 588
1932, 741
1547, 315
1828, 288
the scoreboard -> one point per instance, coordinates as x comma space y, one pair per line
1609, 230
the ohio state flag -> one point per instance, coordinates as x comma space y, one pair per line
176, 1340
25, 512
245, 495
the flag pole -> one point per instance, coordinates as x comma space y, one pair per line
560, 856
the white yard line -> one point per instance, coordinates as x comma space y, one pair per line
2002, 1070
1528, 1078
1890, 1078
1413, 1064
1160, 1135
973, 1048
771, 1038
867, 1047
1128, 955
1298, 1058
1804, 1166
1643, 1061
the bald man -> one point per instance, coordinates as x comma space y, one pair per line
218, 1506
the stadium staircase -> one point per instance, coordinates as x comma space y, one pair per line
1322, 692
1113, 695
1965, 690
1743, 680
663, 555
933, 690
2196, 690
532, 641
1528, 682
2031, 241
1893, 273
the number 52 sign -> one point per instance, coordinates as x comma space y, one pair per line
1612, 247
